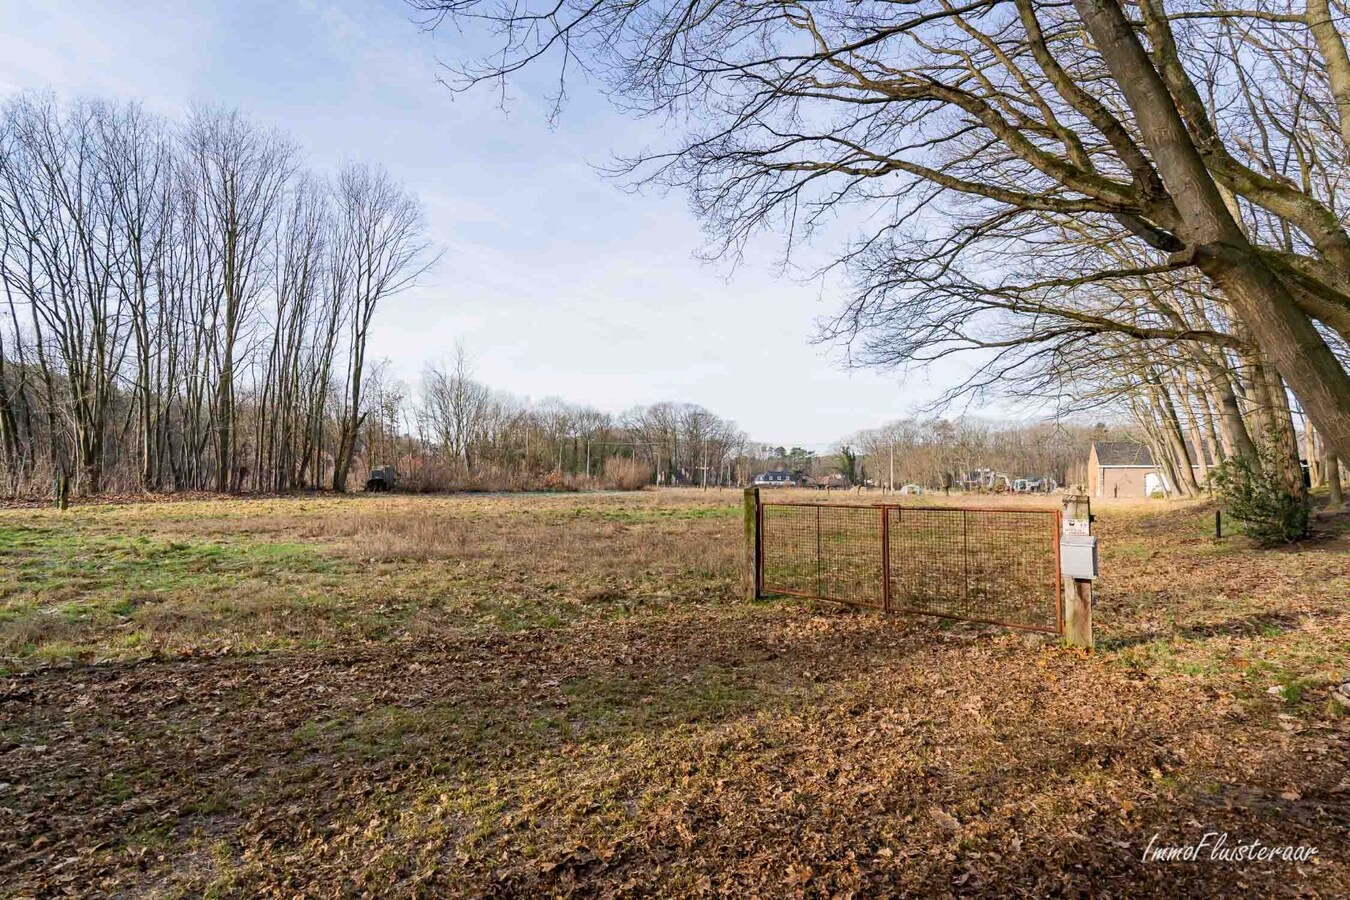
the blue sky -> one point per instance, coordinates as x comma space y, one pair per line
558, 282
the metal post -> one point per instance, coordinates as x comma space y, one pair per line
820, 580
1057, 529
886, 558
965, 552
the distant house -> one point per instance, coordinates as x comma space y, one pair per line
1125, 469
775, 479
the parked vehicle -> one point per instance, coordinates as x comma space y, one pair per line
382, 478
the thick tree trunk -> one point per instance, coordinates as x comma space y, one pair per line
1216, 245
350, 428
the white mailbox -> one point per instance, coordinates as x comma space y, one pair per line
1078, 556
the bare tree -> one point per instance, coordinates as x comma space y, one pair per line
379, 250
64, 250
240, 174
177, 300
457, 407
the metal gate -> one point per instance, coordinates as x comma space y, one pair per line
980, 564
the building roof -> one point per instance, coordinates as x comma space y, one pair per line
1130, 453
1122, 453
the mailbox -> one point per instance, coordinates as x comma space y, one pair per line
1078, 556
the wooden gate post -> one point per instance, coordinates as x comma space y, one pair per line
750, 569
1078, 567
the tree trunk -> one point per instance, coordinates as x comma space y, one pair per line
1337, 61
1332, 465
1215, 243
343, 460
1237, 439
1193, 418
1176, 440
1282, 427
1310, 454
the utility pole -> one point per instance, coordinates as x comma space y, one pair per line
890, 483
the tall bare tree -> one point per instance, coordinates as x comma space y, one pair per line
240, 173
178, 301
379, 250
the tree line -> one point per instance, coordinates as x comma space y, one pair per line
455, 431
938, 452
186, 305
1100, 202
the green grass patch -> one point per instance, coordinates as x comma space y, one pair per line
42, 560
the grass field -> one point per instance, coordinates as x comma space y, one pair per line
536, 695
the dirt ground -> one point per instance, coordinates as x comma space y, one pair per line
540, 695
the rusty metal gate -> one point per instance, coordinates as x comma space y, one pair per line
980, 564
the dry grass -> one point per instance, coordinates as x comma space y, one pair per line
537, 694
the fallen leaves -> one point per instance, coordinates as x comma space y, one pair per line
567, 723
945, 820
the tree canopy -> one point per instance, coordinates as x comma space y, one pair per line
1072, 188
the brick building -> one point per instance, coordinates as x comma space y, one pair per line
1125, 469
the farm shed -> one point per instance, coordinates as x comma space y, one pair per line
1125, 469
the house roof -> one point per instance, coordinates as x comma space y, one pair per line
1130, 453
1122, 453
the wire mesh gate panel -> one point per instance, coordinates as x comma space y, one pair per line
984, 565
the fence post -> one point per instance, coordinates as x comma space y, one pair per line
886, 558
1078, 566
750, 569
